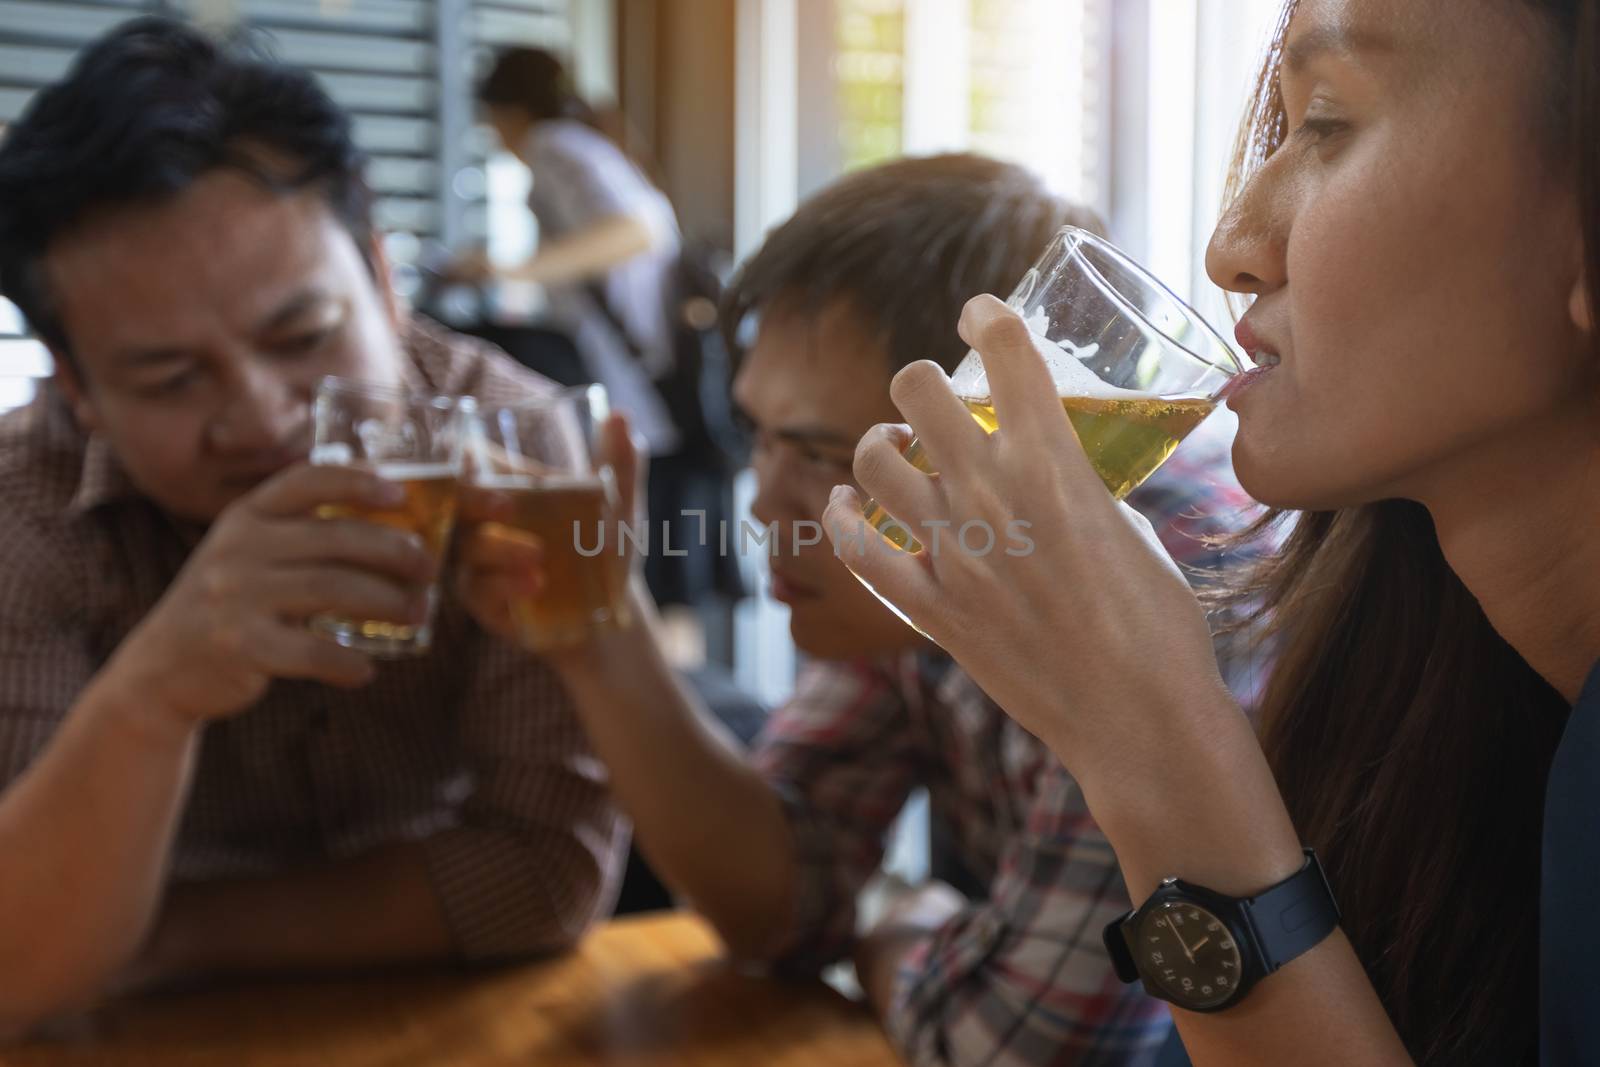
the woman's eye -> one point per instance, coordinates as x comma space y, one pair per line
1318, 129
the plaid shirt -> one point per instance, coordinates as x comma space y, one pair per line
473, 750
1020, 979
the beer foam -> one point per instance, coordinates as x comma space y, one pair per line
540, 481
414, 472
1067, 369
332, 454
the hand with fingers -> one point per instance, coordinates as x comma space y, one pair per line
1088, 619
236, 616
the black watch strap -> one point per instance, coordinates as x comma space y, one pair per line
1117, 948
1294, 915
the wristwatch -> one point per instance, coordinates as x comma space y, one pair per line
1203, 950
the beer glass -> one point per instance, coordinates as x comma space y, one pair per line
1136, 368
539, 459
415, 440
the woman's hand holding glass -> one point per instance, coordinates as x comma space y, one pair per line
1086, 636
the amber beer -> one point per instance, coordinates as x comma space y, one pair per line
1135, 368
585, 568
1126, 439
429, 511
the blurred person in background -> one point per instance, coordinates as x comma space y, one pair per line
1005, 967
199, 785
620, 283
607, 237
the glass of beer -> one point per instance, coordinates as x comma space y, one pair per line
538, 459
414, 439
1135, 367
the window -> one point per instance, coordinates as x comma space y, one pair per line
870, 69
1022, 80
1037, 71
22, 360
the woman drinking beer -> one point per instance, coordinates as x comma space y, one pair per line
1417, 219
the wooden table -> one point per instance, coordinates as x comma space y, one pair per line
647, 992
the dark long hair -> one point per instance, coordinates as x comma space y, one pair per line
1411, 743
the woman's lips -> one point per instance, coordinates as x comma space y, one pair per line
1245, 334
1242, 381
1261, 353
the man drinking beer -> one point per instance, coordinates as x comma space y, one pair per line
194, 782
1005, 966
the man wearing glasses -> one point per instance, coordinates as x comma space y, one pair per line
1000, 961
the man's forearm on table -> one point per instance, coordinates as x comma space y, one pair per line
375, 909
706, 819
90, 823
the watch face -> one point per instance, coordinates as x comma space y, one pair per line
1189, 954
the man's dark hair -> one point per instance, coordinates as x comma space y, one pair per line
144, 112
904, 246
